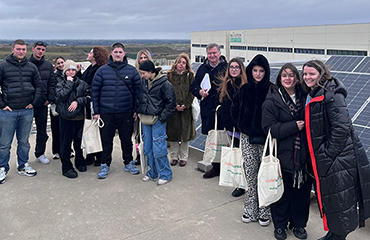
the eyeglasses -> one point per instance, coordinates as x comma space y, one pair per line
40, 43
234, 68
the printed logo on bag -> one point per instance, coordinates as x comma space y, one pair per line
234, 172
275, 188
232, 165
274, 180
222, 145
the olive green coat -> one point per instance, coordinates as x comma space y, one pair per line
180, 126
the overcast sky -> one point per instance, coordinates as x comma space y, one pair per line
166, 19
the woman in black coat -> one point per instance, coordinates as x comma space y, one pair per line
246, 111
98, 56
234, 78
72, 96
340, 164
283, 115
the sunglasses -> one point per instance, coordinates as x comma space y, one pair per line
40, 43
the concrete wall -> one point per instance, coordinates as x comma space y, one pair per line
353, 37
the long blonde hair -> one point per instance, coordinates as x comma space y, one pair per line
146, 53
178, 59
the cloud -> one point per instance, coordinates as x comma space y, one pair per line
144, 19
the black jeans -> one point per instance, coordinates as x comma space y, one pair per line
41, 117
294, 205
70, 131
124, 123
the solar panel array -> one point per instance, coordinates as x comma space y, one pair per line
354, 73
364, 66
343, 63
352, 64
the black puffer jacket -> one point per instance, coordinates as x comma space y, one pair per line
108, 91
339, 162
246, 109
208, 104
68, 91
47, 76
58, 76
20, 84
277, 116
159, 100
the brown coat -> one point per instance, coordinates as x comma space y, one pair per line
180, 126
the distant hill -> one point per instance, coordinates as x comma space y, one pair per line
162, 50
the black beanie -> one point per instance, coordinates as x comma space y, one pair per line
148, 66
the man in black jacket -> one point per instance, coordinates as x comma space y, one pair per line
114, 90
47, 76
213, 67
21, 90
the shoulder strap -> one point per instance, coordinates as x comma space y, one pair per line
123, 81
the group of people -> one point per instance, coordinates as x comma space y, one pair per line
109, 89
305, 112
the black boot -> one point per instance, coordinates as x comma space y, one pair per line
238, 192
211, 173
328, 236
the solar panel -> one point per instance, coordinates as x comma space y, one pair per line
200, 140
357, 86
331, 62
364, 66
343, 63
358, 98
364, 135
273, 74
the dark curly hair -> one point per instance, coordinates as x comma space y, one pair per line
101, 55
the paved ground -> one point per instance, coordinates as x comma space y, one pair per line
50, 206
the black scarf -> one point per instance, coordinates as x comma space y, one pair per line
297, 111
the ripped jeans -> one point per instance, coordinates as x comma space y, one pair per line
155, 149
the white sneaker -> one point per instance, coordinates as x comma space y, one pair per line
56, 156
264, 222
146, 178
162, 181
246, 219
42, 159
2, 175
27, 170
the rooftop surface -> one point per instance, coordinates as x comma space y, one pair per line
122, 206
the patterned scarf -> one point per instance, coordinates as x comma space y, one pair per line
297, 111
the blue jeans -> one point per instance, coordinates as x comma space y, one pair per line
155, 149
19, 122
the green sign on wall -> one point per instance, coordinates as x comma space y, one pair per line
235, 39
